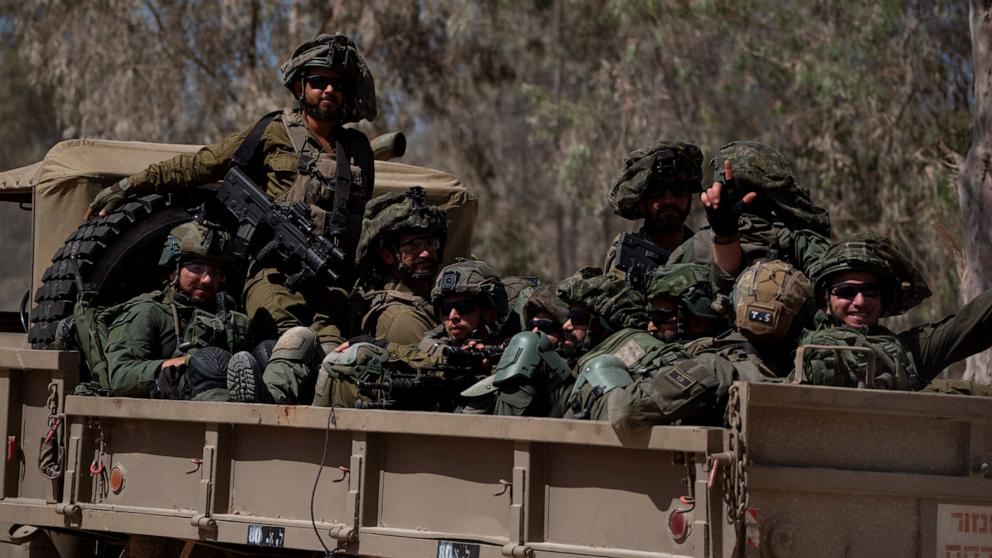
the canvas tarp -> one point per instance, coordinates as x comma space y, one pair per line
75, 170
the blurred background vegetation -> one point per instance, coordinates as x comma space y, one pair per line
534, 103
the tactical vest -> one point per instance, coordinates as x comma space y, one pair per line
318, 180
638, 350
818, 363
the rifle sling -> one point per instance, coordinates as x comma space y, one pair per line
246, 151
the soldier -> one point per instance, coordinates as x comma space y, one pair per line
174, 343
534, 376
768, 215
637, 385
402, 242
657, 186
679, 304
470, 301
862, 280
301, 155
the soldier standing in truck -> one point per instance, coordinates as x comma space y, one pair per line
300, 155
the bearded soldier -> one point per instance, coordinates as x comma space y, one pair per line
175, 343
861, 280
657, 186
469, 300
638, 384
402, 242
299, 155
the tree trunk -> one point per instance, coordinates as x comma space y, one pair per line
975, 181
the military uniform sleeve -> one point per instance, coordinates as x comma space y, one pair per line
808, 247
958, 336
139, 341
402, 324
207, 165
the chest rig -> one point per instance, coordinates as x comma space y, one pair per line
331, 185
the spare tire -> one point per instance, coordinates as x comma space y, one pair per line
115, 255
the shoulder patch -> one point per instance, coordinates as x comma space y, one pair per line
679, 378
630, 352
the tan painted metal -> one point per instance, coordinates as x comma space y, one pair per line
830, 472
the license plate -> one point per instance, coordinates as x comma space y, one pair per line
451, 549
266, 535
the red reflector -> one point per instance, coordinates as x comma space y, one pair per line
678, 524
117, 479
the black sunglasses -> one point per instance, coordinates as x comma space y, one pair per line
320, 82
676, 188
545, 325
462, 305
579, 317
848, 291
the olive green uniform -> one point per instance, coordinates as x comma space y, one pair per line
913, 357
397, 315
611, 254
276, 169
690, 390
760, 239
144, 335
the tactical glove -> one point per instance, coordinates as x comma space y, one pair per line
111, 197
723, 218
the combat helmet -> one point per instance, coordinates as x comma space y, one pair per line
545, 297
689, 283
196, 241
473, 278
336, 52
772, 300
760, 168
613, 302
871, 252
665, 162
395, 213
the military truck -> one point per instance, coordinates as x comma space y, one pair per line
799, 471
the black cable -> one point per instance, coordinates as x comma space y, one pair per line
316, 481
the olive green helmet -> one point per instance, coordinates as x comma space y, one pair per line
665, 162
336, 52
904, 286
546, 298
196, 241
689, 283
473, 278
390, 215
611, 299
760, 168
772, 300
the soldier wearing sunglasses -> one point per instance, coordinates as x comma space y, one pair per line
867, 278
303, 154
657, 185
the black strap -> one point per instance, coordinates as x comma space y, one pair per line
338, 220
246, 151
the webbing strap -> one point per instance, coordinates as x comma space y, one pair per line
246, 151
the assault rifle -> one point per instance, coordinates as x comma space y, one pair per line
638, 258
436, 388
278, 229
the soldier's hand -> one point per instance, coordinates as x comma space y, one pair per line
723, 205
167, 380
108, 199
